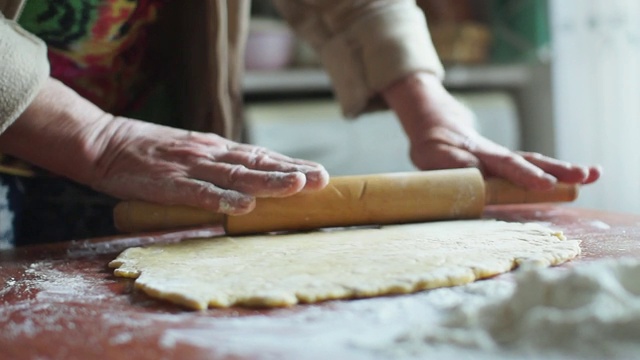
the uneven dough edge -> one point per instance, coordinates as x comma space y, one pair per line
126, 266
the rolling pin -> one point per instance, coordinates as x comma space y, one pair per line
352, 200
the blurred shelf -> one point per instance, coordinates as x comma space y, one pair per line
289, 80
459, 77
488, 76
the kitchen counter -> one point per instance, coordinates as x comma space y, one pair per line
61, 301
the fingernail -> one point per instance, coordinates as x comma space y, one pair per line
234, 203
585, 172
286, 179
318, 175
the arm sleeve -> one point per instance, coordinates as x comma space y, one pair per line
23, 69
364, 45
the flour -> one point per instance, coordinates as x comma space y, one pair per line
584, 311
588, 311
44, 290
53, 285
600, 225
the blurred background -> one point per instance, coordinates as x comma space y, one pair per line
560, 77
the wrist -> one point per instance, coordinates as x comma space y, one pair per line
58, 131
414, 99
421, 103
422, 87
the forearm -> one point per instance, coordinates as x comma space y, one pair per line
417, 100
59, 131
364, 45
406, 98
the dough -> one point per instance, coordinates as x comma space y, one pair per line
280, 270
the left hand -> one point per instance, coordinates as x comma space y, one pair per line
129, 159
442, 136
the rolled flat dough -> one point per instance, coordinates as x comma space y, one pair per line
281, 270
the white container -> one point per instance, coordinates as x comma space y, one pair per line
270, 45
374, 143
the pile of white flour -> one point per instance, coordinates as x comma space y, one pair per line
588, 311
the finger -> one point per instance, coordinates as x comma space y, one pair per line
179, 191
443, 156
249, 152
594, 174
204, 195
273, 154
518, 170
561, 170
248, 181
261, 159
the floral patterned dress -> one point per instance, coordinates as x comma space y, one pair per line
99, 49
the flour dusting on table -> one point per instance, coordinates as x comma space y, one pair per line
586, 311
589, 311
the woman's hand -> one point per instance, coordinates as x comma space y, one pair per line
171, 166
442, 136
129, 159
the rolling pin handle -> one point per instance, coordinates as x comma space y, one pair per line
138, 216
502, 192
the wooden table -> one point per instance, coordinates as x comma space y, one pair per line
62, 302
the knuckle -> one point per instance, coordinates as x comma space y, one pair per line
204, 191
259, 159
532, 155
510, 160
235, 173
258, 155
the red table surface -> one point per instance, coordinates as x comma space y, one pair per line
61, 301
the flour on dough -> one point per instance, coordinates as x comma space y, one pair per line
282, 270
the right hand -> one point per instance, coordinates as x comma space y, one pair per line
440, 130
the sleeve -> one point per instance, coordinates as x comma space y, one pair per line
364, 45
23, 69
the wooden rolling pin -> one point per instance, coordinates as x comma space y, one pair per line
352, 200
